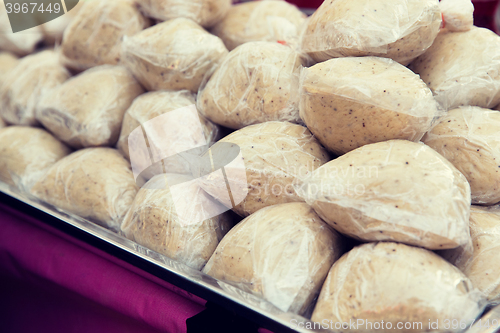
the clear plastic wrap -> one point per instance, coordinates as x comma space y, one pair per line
26, 153
398, 29
462, 68
94, 37
147, 109
350, 102
458, 15
256, 82
392, 191
204, 12
24, 86
275, 155
469, 137
402, 288
281, 253
176, 225
172, 55
88, 109
54, 29
94, 183
270, 20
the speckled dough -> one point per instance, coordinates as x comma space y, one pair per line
397, 29
281, 253
396, 283
276, 155
173, 55
469, 138
462, 68
271, 21
256, 82
32, 78
393, 191
204, 12
87, 110
95, 35
26, 153
94, 183
350, 102
458, 15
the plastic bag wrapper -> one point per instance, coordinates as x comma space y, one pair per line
272, 157
94, 37
256, 82
165, 117
93, 183
26, 153
53, 30
392, 191
398, 29
350, 102
173, 216
173, 55
271, 21
281, 253
389, 284
204, 12
462, 68
458, 15
7, 62
88, 109
469, 137
24, 86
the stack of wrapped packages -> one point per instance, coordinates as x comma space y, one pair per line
359, 147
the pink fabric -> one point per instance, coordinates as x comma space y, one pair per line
48, 283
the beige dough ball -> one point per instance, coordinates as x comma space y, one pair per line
350, 102
256, 82
398, 29
393, 191
7, 62
53, 30
173, 55
280, 253
3, 123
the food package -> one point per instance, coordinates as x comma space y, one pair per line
462, 68
458, 15
395, 190
469, 137
7, 62
256, 82
204, 12
88, 109
93, 183
53, 30
275, 155
94, 37
153, 112
397, 29
350, 102
172, 55
281, 253
402, 288
173, 216
270, 20
24, 86
26, 153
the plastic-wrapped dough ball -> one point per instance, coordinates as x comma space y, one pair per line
25, 85
469, 138
26, 153
88, 109
271, 21
281, 253
176, 226
173, 55
350, 102
7, 62
256, 82
393, 191
94, 37
94, 183
397, 29
458, 15
2, 123
53, 30
462, 68
204, 12
393, 284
